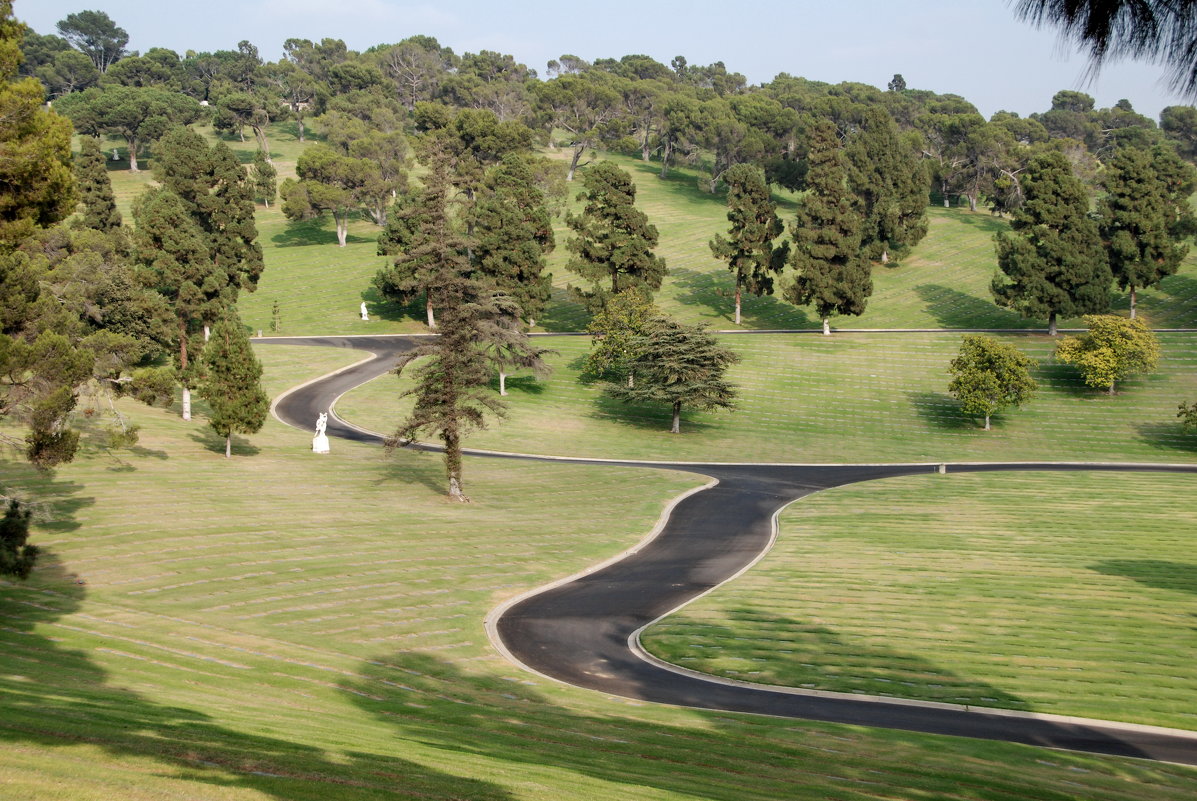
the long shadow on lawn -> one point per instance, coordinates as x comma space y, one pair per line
817, 657
952, 308
716, 291
1170, 436
941, 411
54, 696
1177, 576
312, 232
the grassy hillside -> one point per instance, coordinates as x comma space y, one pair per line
1072, 594
943, 283
288, 626
844, 398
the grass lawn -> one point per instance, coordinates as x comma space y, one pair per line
1071, 594
282, 625
844, 398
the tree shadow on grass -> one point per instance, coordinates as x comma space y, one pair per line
987, 222
521, 385
312, 232
383, 308
941, 411
1063, 378
1182, 288
53, 696
657, 418
1168, 436
801, 654
716, 291
215, 443
1176, 576
952, 308
406, 465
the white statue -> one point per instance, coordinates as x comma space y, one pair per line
320, 441
365, 315
116, 154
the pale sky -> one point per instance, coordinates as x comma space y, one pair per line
974, 48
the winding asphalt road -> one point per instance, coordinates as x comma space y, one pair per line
585, 630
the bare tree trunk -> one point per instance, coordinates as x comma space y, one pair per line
573, 163
186, 402
986, 422
453, 465
1132, 299
431, 316
133, 154
677, 418
1051, 324
502, 383
826, 327
228, 446
737, 303
342, 221
299, 122
183, 365
1110, 391
207, 332
666, 152
260, 133
972, 202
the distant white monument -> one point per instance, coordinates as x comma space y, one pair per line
116, 154
320, 441
365, 315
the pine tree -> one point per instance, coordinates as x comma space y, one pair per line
433, 243
232, 384
95, 188
679, 365
173, 248
1144, 216
749, 251
265, 178
16, 556
890, 184
613, 239
513, 232
831, 274
1052, 262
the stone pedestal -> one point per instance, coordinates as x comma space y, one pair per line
320, 443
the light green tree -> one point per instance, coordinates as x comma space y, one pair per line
1112, 349
988, 376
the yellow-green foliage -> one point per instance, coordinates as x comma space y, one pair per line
1112, 349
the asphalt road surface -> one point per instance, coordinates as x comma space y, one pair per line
585, 631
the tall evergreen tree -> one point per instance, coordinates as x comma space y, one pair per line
513, 232
265, 178
432, 245
749, 250
831, 274
1052, 262
173, 249
679, 365
232, 383
95, 188
1144, 216
890, 183
612, 238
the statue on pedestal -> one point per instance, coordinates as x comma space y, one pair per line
365, 315
320, 441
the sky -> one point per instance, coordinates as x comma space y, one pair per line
973, 48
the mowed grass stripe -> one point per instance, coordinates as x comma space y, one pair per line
808, 398
1065, 593
286, 625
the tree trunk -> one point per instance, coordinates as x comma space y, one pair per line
299, 122
986, 422
677, 418
502, 383
1132, 299
1110, 391
183, 367
972, 202
826, 327
431, 316
342, 221
631, 380
207, 332
132, 140
186, 402
260, 133
266, 202
666, 152
1051, 324
737, 303
885, 256
228, 446
573, 163
453, 464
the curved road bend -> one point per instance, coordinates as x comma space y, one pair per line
584, 632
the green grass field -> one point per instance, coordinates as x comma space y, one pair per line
958, 589
284, 625
290, 626
844, 398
